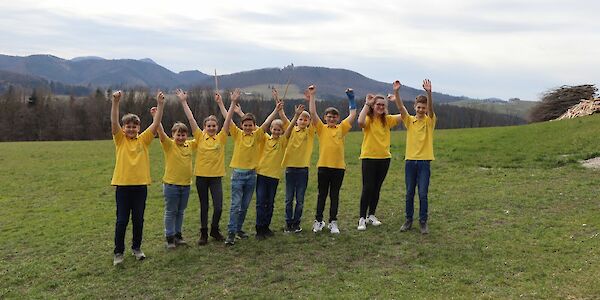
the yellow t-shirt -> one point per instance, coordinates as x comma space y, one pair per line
210, 154
331, 144
299, 147
247, 147
376, 137
272, 155
419, 137
132, 165
178, 161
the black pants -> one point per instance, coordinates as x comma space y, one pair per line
373, 174
203, 184
329, 181
130, 199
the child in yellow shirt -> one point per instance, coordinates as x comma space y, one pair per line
331, 164
131, 175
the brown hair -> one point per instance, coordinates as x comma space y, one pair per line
421, 99
332, 110
248, 117
179, 127
130, 118
371, 112
210, 118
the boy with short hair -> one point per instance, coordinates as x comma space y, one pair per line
419, 153
131, 175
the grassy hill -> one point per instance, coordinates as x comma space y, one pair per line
512, 215
513, 108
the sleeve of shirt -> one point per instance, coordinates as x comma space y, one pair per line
147, 136
234, 130
118, 137
222, 137
319, 126
166, 143
197, 134
193, 144
260, 135
346, 126
433, 120
406, 121
367, 122
392, 120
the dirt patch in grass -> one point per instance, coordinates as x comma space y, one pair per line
592, 163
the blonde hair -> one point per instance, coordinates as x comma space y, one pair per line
305, 113
179, 127
210, 118
277, 122
371, 112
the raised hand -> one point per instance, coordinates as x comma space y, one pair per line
279, 105
299, 109
235, 96
182, 95
238, 109
391, 97
350, 93
116, 96
312, 89
396, 85
370, 99
427, 85
275, 94
218, 98
160, 98
153, 111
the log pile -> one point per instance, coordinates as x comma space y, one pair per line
583, 108
557, 101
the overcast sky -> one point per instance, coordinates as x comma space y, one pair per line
478, 49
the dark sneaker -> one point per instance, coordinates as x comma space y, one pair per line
288, 228
203, 237
424, 227
297, 228
179, 241
269, 232
230, 240
118, 259
216, 234
241, 235
171, 242
406, 226
260, 236
139, 255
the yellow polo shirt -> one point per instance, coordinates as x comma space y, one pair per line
178, 161
272, 155
210, 154
132, 164
299, 147
376, 137
419, 137
331, 144
247, 147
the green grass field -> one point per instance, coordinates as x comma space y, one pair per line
514, 108
512, 215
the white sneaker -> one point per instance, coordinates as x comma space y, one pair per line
118, 259
362, 224
333, 227
139, 255
318, 226
372, 219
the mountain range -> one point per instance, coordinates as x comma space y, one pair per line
96, 72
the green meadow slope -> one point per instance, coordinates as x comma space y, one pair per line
512, 215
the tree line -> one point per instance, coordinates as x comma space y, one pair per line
39, 115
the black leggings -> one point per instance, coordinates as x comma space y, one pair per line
330, 182
203, 184
373, 174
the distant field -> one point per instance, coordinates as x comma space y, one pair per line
264, 89
512, 215
515, 108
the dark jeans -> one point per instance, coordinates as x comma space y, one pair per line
373, 174
130, 199
330, 181
417, 173
296, 180
203, 184
266, 188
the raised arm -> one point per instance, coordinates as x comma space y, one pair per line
160, 105
362, 117
282, 115
235, 96
427, 88
351, 106
114, 113
299, 109
271, 117
403, 112
309, 94
238, 110
219, 101
182, 96
162, 135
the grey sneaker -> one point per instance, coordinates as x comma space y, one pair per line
424, 227
241, 235
230, 240
406, 226
288, 228
118, 259
297, 228
318, 226
171, 242
179, 241
139, 254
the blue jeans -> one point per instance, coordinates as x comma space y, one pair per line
176, 200
130, 199
417, 173
296, 180
242, 188
266, 188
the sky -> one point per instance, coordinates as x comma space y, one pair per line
480, 49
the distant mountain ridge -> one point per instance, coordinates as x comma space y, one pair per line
94, 71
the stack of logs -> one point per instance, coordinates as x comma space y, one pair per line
583, 108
